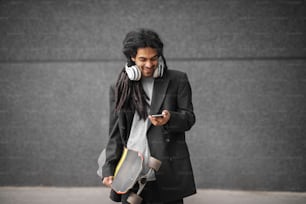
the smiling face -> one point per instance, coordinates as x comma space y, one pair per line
147, 60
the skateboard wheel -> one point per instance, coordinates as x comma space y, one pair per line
143, 180
134, 199
154, 163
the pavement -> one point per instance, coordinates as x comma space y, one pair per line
99, 195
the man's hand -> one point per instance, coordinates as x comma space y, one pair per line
159, 121
107, 181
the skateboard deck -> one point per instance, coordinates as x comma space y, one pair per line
127, 171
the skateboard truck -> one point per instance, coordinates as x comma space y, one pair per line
154, 165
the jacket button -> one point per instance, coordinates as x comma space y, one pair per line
167, 139
170, 159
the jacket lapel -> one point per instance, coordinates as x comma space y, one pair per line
159, 92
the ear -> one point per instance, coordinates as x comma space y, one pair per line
133, 59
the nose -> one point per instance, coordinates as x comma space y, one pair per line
149, 64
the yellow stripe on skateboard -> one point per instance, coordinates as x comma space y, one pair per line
123, 156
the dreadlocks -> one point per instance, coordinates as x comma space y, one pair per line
130, 96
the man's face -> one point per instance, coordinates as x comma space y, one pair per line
147, 60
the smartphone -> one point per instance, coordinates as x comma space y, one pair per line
157, 115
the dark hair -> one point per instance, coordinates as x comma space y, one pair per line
130, 95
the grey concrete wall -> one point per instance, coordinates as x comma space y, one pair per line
245, 60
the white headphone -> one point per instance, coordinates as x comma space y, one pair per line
134, 73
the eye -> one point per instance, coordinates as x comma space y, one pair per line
154, 58
141, 59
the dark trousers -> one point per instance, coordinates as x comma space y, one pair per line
172, 202
149, 194
144, 202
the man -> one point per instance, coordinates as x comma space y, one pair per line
145, 87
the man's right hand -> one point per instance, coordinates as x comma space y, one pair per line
107, 181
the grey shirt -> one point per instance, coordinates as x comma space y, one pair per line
138, 135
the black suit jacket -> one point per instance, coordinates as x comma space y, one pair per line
172, 92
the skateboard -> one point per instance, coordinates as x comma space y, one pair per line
127, 174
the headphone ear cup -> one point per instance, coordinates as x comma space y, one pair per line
133, 72
159, 71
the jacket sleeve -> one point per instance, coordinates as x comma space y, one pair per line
114, 146
183, 118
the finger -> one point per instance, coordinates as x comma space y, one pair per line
108, 184
108, 181
166, 113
